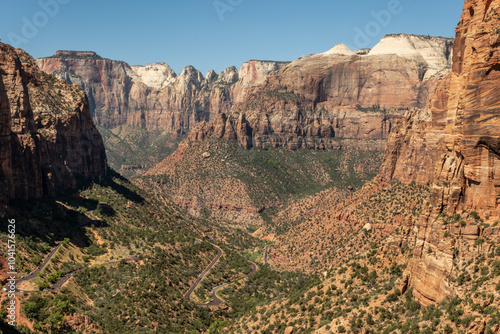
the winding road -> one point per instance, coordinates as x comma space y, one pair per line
215, 301
58, 284
187, 295
265, 257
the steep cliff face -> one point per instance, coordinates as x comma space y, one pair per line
317, 98
253, 74
454, 147
305, 103
152, 97
47, 135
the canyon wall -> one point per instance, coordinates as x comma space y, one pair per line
47, 136
454, 147
460, 126
150, 97
305, 103
153, 97
316, 99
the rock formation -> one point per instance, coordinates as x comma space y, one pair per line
119, 94
454, 146
460, 126
253, 74
306, 103
152, 97
47, 135
157, 76
337, 94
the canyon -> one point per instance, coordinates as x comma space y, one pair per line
152, 97
448, 148
314, 103
304, 103
364, 183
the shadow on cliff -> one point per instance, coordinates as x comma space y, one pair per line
50, 220
109, 181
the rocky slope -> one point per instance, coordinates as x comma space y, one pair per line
430, 219
338, 93
47, 135
220, 180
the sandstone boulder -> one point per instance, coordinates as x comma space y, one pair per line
470, 232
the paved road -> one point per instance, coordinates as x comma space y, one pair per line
60, 282
216, 301
187, 295
49, 256
41, 266
265, 257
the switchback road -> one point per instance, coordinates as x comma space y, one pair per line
216, 301
187, 295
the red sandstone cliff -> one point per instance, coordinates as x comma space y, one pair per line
336, 94
460, 127
454, 146
118, 95
47, 137
305, 103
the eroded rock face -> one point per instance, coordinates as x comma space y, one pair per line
434, 52
305, 103
337, 94
152, 97
454, 147
157, 76
253, 74
462, 125
47, 135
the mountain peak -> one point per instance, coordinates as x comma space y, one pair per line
339, 49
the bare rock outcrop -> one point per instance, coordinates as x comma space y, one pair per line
47, 135
459, 129
150, 97
304, 103
157, 76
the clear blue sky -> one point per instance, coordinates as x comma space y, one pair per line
216, 34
